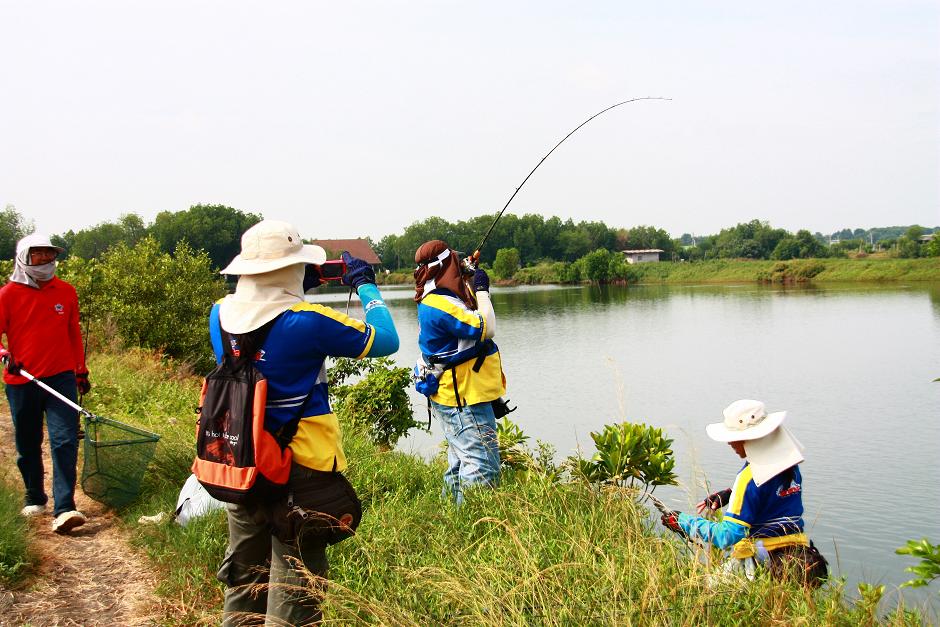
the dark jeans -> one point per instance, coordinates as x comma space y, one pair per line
28, 403
263, 576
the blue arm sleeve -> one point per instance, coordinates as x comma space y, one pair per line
721, 534
215, 333
377, 315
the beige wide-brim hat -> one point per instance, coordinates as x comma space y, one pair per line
271, 245
745, 420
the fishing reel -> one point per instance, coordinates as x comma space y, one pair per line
469, 264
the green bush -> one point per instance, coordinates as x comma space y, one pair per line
575, 272
546, 272
597, 265
929, 568
377, 403
628, 455
393, 278
621, 270
797, 270
506, 263
151, 299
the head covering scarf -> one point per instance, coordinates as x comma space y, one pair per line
439, 266
259, 298
29, 275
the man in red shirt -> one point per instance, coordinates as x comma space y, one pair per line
39, 315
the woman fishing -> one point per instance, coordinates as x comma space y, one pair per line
459, 370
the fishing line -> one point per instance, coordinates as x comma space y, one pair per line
475, 257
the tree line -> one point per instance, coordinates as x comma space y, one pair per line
216, 229
532, 238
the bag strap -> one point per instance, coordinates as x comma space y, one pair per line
482, 349
287, 432
248, 343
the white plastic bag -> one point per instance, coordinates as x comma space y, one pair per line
194, 501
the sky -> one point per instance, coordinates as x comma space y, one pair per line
357, 119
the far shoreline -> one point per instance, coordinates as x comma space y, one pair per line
720, 271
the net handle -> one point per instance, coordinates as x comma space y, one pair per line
59, 396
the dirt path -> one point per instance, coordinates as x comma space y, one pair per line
90, 577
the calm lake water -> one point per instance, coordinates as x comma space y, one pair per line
853, 366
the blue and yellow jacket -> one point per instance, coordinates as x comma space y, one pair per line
451, 334
771, 512
292, 359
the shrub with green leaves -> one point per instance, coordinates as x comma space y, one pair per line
153, 300
929, 568
628, 455
378, 402
506, 263
513, 452
597, 265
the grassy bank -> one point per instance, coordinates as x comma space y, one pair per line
800, 270
530, 552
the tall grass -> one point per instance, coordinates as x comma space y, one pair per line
529, 552
17, 558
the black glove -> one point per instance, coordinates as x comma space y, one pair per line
671, 522
714, 501
481, 281
82, 382
7, 358
312, 277
358, 272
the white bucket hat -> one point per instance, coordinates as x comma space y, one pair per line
271, 245
37, 240
745, 420
769, 446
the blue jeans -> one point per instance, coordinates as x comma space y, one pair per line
28, 403
472, 447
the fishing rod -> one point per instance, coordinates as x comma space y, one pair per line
665, 511
475, 257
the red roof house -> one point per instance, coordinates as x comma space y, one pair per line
358, 247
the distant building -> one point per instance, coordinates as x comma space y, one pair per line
358, 248
642, 256
926, 238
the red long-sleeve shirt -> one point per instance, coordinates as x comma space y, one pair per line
42, 329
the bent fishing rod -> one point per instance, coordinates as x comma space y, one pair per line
475, 257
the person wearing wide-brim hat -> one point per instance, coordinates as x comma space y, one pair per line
267, 567
763, 521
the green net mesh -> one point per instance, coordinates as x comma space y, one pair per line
116, 456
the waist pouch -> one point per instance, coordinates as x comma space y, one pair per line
319, 505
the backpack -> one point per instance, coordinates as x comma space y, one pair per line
237, 459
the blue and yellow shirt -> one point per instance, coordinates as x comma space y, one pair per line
772, 512
449, 333
292, 359
769, 510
